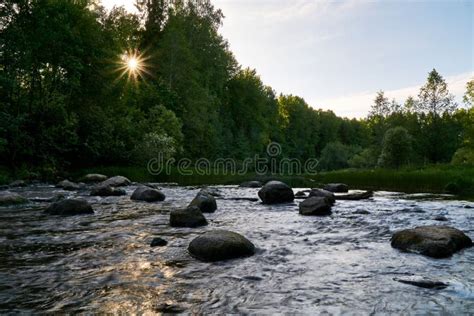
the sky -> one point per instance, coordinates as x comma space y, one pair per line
338, 54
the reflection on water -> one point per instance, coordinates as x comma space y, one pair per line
336, 264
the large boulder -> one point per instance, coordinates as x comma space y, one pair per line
188, 217
106, 190
147, 194
117, 181
251, 184
68, 185
94, 177
205, 202
274, 192
11, 198
323, 193
70, 207
220, 245
432, 241
315, 205
336, 187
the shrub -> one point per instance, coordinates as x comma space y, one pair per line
396, 148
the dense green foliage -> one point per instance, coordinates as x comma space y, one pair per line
65, 100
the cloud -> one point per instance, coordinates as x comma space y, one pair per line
358, 105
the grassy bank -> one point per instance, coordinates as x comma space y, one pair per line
435, 178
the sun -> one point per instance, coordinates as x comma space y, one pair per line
133, 64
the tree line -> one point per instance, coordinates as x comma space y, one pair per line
64, 102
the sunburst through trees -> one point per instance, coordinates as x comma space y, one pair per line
133, 65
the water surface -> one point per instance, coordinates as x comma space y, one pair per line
342, 263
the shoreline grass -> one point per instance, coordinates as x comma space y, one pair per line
428, 179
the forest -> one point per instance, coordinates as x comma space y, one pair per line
66, 102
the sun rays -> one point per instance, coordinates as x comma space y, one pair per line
133, 65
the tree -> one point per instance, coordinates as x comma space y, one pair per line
381, 106
410, 105
469, 95
438, 104
434, 96
336, 156
396, 148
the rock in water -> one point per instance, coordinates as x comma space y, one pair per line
315, 205
424, 283
158, 242
117, 181
212, 191
11, 198
323, 193
189, 217
251, 184
220, 245
70, 207
68, 185
441, 218
274, 192
94, 177
147, 194
300, 194
431, 241
205, 202
106, 190
336, 187
17, 183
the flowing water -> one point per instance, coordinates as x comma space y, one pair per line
342, 263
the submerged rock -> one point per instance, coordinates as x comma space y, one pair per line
117, 181
188, 217
300, 194
315, 205
355, 196
11, 198
336, 187
70, 207
441, 218
106, 190
17, 183
158, 242
251, 184
212, 191
166, 308
323, 193
205, 202
94, 177
424, 283
274, 192
362, 212
220, 245
68, 185
431, 241
147, 194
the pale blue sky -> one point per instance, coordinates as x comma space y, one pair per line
337, 54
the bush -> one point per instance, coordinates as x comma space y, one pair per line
396, 148
463, 156
365, 159
336, 156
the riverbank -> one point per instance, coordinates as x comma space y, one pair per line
431, 179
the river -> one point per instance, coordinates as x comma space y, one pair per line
337, 264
